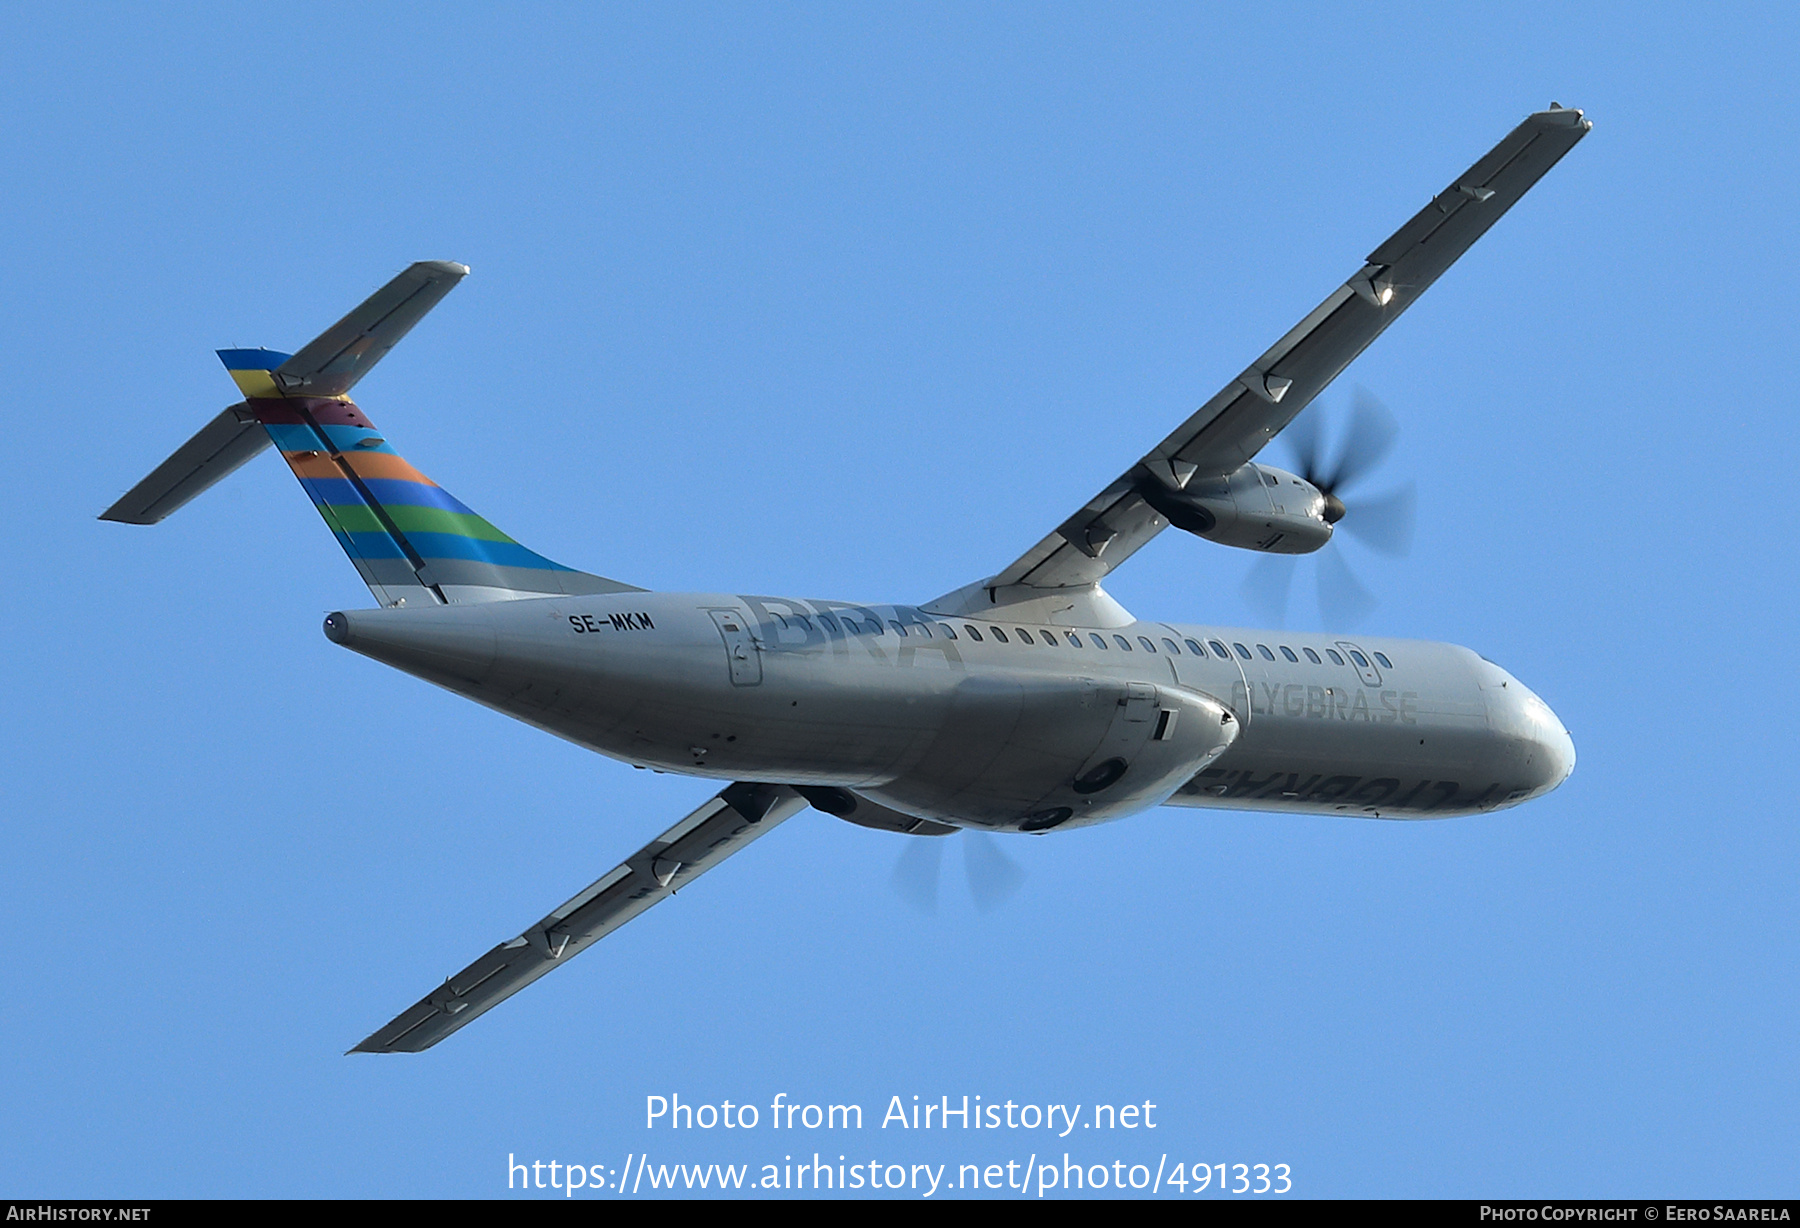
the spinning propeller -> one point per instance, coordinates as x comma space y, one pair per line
993, 876
1383, 522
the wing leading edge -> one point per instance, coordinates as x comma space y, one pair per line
723, 825
1234, 426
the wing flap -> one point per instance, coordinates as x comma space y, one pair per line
1232, 427
723, 825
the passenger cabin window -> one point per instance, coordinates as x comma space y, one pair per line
898, 629
1123, 643
1170, 645
1074, 640
1383, 661
1024, 635
1099, 640
1049, 638
1245, 652
1219, 650
924, 629
1335, 659
825, 620
973, 634
998, 634
947, 629
1145, 641
1264, 649
1194, 648
1360, 659
1312, 656
1289, 654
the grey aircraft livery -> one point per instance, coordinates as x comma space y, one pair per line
1028, 701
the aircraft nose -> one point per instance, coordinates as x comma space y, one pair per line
1540, 750
1555, 749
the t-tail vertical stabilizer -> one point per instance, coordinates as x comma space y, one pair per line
410, 539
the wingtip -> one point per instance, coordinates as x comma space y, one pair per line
1571, 117
443, 268
117, 516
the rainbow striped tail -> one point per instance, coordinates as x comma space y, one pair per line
410, 539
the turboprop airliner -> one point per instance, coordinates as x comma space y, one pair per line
1027, 701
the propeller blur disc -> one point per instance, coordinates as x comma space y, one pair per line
993, 877
1383, 522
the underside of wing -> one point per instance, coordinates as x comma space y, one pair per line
726, 823
1231, 428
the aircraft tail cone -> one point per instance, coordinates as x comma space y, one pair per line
450, 645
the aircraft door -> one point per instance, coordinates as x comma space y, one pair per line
741, 649
1364, 665
1222, 679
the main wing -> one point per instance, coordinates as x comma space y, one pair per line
726, 823
1232, 428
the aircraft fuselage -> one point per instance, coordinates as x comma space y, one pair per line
982, 723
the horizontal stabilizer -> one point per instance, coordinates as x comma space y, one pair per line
330, 365
408, 537
218, 448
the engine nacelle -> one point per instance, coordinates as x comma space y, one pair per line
1258, 507
1033, 754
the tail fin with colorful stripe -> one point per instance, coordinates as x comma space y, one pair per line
408, 537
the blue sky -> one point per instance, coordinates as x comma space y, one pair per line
857, 303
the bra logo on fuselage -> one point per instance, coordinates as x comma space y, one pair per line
1321, 703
